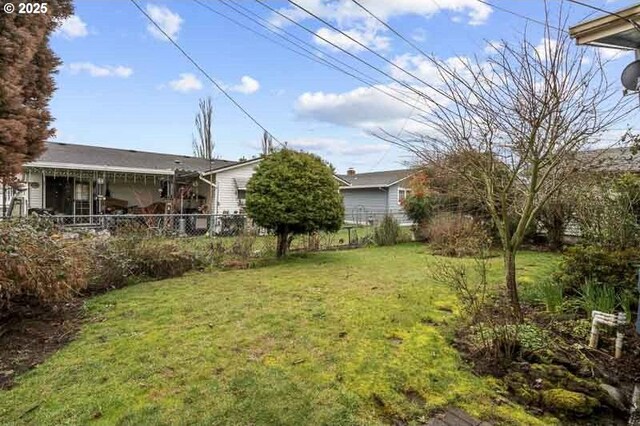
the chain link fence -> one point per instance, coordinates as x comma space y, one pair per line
228, 230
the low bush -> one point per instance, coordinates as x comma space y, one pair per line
548, 293
491, 327
387, 233
112, 264
159, 259
419, 208
452, 234
593, 296
243, 247
37, 267
617, 269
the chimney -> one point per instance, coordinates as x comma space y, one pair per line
351, 171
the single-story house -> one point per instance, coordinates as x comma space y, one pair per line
369, 196
72, 179
82, 180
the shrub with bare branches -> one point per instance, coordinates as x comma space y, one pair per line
517, 123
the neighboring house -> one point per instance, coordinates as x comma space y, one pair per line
82, 180
614, 160
72, 179
369, 196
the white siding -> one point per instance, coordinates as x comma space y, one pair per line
226, 190
30, 197
35, 192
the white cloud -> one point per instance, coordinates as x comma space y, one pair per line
546, 47
425, 69
186, 83
247, 86
493, 46
352, 20
169, 21
363, 108
330, 146
345, 12
612, 54
366, 35
72, 27
419, 35
100, 70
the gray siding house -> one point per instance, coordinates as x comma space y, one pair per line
369, 196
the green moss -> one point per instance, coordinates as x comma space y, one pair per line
306, 341
568, 402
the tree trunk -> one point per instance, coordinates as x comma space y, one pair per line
512, 286
283, 243
555, 233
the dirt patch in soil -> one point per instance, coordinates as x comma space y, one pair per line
29, 337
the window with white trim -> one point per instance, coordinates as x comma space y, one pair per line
403, 193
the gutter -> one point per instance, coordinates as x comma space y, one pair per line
67, 166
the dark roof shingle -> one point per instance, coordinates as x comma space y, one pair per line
380, 179
86, 155
616, 160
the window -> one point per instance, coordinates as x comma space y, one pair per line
82, 195
402, 194
82, 191
242, 196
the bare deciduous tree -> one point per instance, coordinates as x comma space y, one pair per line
516, 122
203, 142
266, 143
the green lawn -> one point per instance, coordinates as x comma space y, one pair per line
334, 338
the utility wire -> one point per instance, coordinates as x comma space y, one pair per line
393, 64
525, 17
413, 89
311, 55
205, 73
406, 40
599, 9
280, 31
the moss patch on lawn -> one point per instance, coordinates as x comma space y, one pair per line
340, 338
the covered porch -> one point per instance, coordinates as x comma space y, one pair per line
89, 192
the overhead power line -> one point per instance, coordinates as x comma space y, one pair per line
525, 17
364, 46
310, 54
203, 71
411, 88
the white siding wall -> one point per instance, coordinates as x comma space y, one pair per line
35, 195
226, 190
31, 197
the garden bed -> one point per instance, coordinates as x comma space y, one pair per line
555, 371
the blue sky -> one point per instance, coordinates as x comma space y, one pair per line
123, 85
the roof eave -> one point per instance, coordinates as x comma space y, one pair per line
589, 32
98, 168
232, 166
